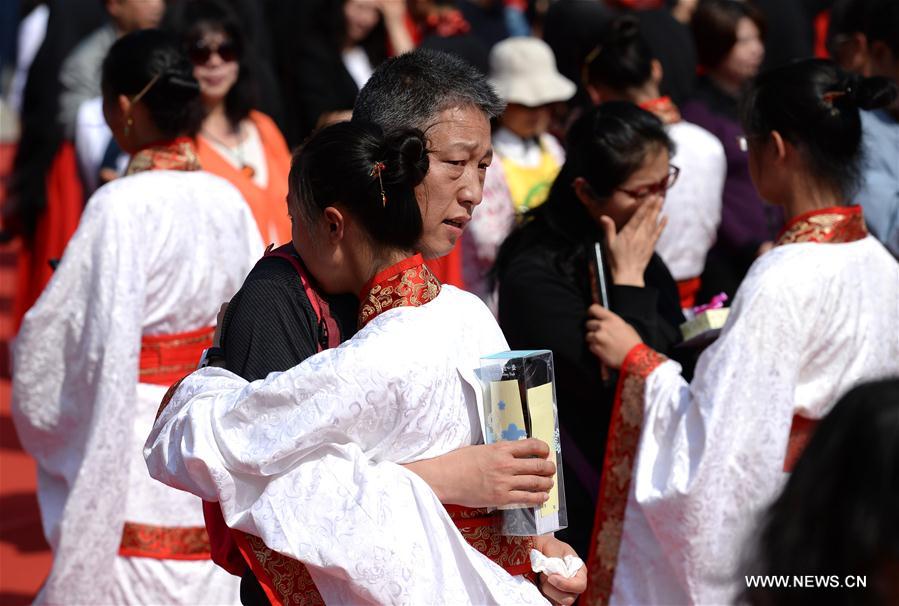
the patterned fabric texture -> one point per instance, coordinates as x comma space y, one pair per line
139, 266
806, 325
315, 474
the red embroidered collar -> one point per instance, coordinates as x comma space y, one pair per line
664, 109
408, 283
176, 154
835, 225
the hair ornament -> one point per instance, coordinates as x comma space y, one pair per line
376, 171
146, 88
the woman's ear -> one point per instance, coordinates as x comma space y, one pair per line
656, 72
779, 145
336, 224
584, 192
124, 105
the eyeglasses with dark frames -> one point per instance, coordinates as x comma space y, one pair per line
658, 188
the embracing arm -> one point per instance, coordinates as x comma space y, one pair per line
491, 475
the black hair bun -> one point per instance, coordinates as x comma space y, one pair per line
625, 30
405, 158
873, 93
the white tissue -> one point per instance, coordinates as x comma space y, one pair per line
567, 567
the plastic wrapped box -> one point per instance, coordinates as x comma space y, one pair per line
520, 402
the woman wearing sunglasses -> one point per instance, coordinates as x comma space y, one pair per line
610, 189
236, 141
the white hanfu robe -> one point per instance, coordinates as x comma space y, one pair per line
814, 317
154, 254
307, 459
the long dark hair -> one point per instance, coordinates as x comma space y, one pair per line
623, 58
152, 58
347, 164
839, 512
605, 146
190, 20
815, 106
330, 16
714, 27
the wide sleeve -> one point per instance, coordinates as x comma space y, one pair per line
711, 452
297, 460
75, 380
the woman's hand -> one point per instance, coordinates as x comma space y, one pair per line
557, 588
631, 249
609, 337
506, 473
394, 13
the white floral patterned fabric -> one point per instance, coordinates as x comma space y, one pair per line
809, 322
307, 459
693, 204
154, 254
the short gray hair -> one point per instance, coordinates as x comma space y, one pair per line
409, 91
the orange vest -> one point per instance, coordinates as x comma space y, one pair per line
269, 204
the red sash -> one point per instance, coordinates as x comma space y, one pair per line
801, 432
481, 528
687, 290
164, 359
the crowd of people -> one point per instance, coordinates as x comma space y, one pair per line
247, 374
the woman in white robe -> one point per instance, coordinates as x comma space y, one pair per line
129, 307
695, 463
307, 460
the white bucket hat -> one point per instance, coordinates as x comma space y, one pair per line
523, 70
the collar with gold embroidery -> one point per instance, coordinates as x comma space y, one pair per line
408, 283
177, 154
835, 225
664, 109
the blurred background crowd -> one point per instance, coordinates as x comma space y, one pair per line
272, 71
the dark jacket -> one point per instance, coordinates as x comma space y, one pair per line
746, 220
544, 293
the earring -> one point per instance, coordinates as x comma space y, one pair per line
128, 124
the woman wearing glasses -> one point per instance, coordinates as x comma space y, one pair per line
610, 189
623, 67
236, 141
697, 462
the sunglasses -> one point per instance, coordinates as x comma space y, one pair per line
200, 52
655, 188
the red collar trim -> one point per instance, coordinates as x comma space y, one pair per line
664, 108
179, 153
408, 283
835, 225
169, 143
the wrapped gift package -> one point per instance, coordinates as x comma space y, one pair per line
708, 320
520, 402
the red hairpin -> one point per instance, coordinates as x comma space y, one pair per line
376, 171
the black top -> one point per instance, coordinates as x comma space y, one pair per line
544, 293
321, 82
672, 43
270, 326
